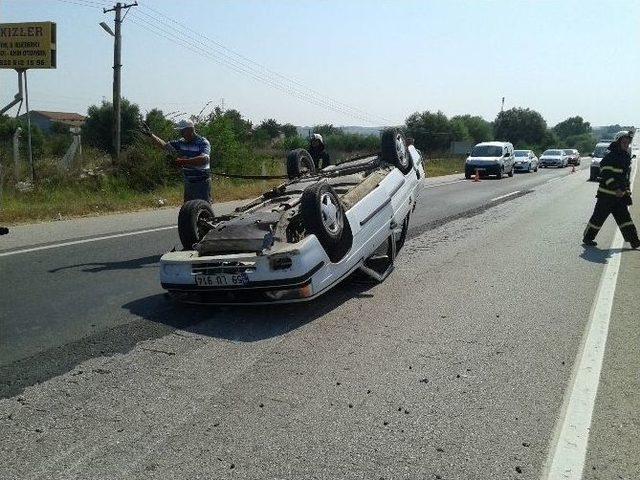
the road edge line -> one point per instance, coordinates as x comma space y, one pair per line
85, 240
568, 448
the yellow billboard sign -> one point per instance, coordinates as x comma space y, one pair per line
28, 45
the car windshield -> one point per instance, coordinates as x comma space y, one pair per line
568, 152
521, 153
486, 151
552, 152
600, 152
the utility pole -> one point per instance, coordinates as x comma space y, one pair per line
502, 107
117, 65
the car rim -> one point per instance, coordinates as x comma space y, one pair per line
331, 213
401, 150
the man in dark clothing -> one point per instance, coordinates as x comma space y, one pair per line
614, 192
318, 153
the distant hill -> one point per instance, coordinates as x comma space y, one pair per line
364, 131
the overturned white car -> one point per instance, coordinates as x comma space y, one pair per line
302, 238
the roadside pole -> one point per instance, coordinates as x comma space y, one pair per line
117, 66
29, 149
16, 154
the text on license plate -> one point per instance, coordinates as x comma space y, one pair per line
221, 280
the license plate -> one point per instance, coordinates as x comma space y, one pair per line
222, 280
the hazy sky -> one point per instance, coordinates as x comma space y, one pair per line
386, 59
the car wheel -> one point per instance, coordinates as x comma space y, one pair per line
510, 172
194, 221
323, 215
499, 174
394, 150
467, 175
300, 163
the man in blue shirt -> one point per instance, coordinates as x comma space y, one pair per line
193, 156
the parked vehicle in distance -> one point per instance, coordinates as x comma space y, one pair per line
573, 156
525, 161
602, 148
490, 158
553, 158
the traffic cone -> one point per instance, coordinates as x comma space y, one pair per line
477, 176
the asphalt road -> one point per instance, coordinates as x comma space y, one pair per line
457, 366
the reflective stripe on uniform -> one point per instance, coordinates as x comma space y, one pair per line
610, 181
591, 225
608, 192
626, 224
613, 169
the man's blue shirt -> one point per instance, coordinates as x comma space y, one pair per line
199, 146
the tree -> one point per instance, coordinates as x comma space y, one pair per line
159, 124
459, 130
289, 130
240, 126
431, 131
479, 129
520, 126
98, 129
572, 126
270, 127
327, 129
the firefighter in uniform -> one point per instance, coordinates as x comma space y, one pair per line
614, 192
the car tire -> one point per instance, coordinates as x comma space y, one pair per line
300, 164
190, 228
394, 150
467, 175
499, 174
323, 215
510, 172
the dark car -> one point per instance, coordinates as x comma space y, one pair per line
573, 156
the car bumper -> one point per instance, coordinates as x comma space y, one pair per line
484, 169
522, 167
573, 161
551, 163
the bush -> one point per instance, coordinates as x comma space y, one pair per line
145, 168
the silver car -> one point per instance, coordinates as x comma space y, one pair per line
525, 161
554, 158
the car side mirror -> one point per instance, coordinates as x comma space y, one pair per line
468, 154
633, 156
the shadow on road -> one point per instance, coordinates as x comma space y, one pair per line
244, 323
157, 316
599, 255
135, 263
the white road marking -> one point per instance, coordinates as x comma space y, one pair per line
566, 459
505, 196
86, 240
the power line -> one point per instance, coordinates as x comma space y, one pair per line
196, 48
253, 62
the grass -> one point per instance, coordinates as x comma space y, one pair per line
52, 202
437, 167
49, 203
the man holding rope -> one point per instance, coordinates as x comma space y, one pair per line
193, 156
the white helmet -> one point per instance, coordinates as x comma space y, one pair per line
623, 133
317, 136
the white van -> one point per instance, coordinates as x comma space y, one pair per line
490, 158
602, 148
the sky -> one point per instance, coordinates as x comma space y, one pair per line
346, 62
